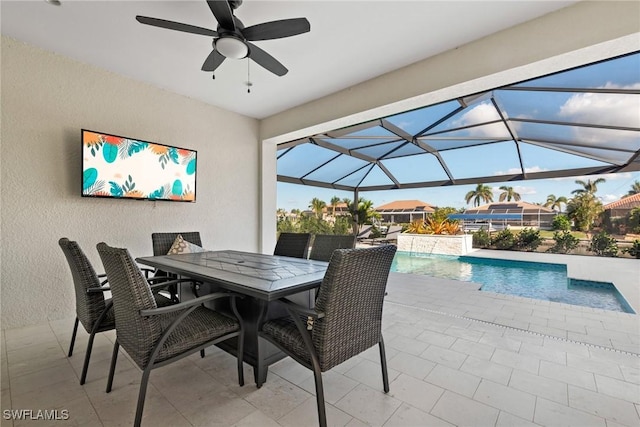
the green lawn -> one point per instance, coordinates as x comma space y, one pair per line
548, 234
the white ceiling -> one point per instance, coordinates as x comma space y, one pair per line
350, 42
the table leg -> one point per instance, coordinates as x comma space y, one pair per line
260, 370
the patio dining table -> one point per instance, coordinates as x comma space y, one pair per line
261, 278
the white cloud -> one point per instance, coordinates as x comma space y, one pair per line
512, 171
404, 125
518, 189
607, 176
603, 108
483, 113
608, 198
525, 190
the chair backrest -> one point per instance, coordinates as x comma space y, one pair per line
293, 245
162, 242
131, 293
324, 245
351, 296
89, 306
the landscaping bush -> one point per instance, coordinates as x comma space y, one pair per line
528, 240
604, 245
634, 250
633, 220
503, 239
561, 222
481, 239
565, 242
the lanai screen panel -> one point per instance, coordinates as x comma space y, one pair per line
577, 122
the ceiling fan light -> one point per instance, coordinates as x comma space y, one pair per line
231, 47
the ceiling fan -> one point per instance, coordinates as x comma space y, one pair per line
232, 40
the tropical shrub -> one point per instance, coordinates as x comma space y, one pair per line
417, 227
503, 239
433, 226
481, 239
561, 222
452, 227
565, 242
604, 245
312, 224
440, 214
584, 209
634, 250
528, 240
633, 220
342, 225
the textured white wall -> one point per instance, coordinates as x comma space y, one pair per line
460, 244
46, 100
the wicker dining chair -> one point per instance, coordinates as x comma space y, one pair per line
162, 242
346, 320
293, 245
92, 309
157, 336
324, 245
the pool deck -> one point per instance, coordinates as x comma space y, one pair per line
456, 356
624, 273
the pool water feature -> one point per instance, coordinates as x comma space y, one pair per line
526, 279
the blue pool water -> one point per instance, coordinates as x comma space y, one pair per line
526, 279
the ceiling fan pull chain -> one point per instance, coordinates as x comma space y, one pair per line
249, 84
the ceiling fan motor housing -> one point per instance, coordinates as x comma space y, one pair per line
232, 39
235, 3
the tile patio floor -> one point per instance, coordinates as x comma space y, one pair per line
456, 356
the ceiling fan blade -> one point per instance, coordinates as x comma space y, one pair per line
266, 61
277, 29
177, 26
213, 61
222, 11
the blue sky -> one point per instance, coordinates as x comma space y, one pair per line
291, 196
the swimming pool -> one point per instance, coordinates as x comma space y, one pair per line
526, 279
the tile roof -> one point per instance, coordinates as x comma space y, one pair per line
628, 202
400, 205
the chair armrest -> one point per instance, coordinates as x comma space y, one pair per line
98, 290
147, 271
299, 309
187, 304
166, 283
166, 279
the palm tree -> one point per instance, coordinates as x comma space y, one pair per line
481, 193
317, 206
509, 193
589, 186
554, 202
334, 203
361, 213
583, 210
635, 188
